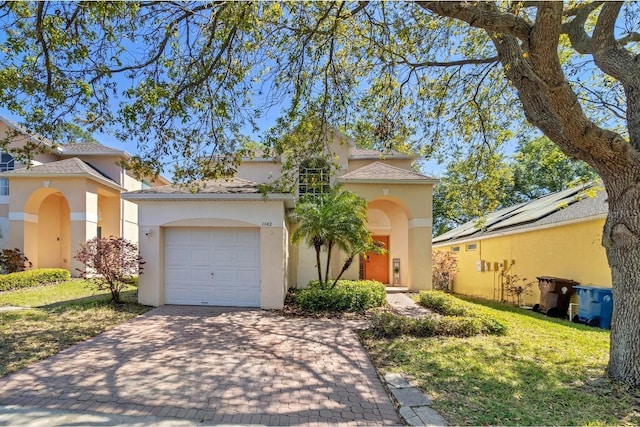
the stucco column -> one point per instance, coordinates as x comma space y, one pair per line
84, 224
420, 254
23, 234
273, 267
151, 281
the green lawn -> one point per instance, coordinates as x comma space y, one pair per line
543, 372
63, 314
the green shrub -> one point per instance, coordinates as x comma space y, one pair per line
456, 318
444, 304
389, 325
448, 305
31, 278
346, 296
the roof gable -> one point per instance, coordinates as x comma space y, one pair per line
89, 149
382, 172
62, 168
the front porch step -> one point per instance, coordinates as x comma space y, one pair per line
397, 289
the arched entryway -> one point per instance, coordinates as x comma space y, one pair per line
47, 229
388, 223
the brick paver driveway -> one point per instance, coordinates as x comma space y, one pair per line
212, 364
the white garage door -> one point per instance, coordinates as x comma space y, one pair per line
212, 266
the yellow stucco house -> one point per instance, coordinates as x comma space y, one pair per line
229, 244
558, 235
69, 195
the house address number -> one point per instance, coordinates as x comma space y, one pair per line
267, 224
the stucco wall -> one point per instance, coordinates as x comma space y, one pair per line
27, 210
570, 251
260, 171
414, 201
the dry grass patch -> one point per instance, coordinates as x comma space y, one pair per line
72, 313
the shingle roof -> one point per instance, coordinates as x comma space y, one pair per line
564, 206
33, 137
68, 167
382, 172
365, 153
211, 190
219, 186
88, 148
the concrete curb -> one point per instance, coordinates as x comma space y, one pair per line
413, 404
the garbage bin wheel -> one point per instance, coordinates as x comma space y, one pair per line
594, 321
576, 319
553, 312
536, 308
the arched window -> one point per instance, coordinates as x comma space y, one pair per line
313, 177
6, 164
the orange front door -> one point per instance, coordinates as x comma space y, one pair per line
377, 266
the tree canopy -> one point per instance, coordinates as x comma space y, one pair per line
184, 79
474, 186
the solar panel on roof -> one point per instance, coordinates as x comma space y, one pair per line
540, 208
468, 228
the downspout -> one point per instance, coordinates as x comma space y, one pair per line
122, 202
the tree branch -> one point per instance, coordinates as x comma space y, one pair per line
441, 64
543, 43
608, 55
481, 15
45, 47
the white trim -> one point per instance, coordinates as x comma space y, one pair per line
420, 222
288, 199
522, 230
418, 181
84, 216
23, 216
4, 200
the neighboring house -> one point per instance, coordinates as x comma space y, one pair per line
67, 196
558, 235
229, 244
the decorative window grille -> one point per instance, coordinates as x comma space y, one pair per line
313, 178
6, 164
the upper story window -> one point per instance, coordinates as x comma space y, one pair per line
6, 164
313, 177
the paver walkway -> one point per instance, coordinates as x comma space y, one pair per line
214, 365
404, 305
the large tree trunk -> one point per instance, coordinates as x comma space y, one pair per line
621, 239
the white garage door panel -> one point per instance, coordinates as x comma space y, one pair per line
209, 266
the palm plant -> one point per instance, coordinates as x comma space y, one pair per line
337, 219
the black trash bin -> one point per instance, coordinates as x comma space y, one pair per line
555, 296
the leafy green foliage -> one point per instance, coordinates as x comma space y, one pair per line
473, 186
31, 278
448, 305
13, 260
455, 318
345, 296
389, 325
540, 167
111, 263
337, 219
392, 75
